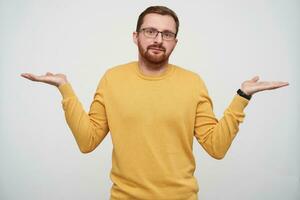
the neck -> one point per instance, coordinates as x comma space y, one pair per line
149, 68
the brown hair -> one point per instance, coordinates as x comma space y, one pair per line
162, 10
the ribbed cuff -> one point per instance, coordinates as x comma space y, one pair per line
238, 103
236, 108
66, 90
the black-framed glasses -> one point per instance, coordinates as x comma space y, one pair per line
152, 33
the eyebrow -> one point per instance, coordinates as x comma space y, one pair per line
166, 30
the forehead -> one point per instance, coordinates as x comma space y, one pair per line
160, 22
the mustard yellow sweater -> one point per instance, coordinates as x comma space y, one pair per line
152, 121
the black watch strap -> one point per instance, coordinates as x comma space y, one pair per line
242, 94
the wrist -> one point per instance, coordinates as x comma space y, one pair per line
62, 83
243, 94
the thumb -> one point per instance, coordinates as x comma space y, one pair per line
255, 78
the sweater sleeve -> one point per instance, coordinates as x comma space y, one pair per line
89, 129
214, 135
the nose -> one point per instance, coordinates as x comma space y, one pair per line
158, 38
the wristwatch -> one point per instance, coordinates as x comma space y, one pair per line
242, 94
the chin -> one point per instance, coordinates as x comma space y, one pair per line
156, 59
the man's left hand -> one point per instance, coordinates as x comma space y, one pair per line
252, 86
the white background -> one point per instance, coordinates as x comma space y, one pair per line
226, 42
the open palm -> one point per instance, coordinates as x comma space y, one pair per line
49, 78
252, 86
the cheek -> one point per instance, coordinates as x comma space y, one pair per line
144, 43
170, 47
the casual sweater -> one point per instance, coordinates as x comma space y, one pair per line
152, 121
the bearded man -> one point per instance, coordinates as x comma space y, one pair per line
153, 110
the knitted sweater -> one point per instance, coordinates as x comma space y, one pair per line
152, 121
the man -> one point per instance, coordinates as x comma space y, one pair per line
153, 109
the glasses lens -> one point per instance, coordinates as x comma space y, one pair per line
150, 32
168, 35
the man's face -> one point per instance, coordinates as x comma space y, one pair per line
156, 50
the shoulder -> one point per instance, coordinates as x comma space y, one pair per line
114, 73
188, 74
120, 70
192, 78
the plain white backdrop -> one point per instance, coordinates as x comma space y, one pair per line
225, 42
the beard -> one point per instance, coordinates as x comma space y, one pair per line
151, 57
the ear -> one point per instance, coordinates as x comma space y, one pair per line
176, 40
135, 37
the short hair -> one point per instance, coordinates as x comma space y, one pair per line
162, 10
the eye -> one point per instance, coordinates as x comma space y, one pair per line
168, 34
151, 31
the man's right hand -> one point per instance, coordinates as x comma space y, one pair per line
49, 78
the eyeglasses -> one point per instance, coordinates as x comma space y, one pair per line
152, 33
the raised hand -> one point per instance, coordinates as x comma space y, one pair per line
252, 86
49, 78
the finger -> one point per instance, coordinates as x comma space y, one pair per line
274, 83
279, 84
23, 75
27, 75
49, 73
255, 78
32, 77
271, 85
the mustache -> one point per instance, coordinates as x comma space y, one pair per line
160, 47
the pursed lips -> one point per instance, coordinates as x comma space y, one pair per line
157, 49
